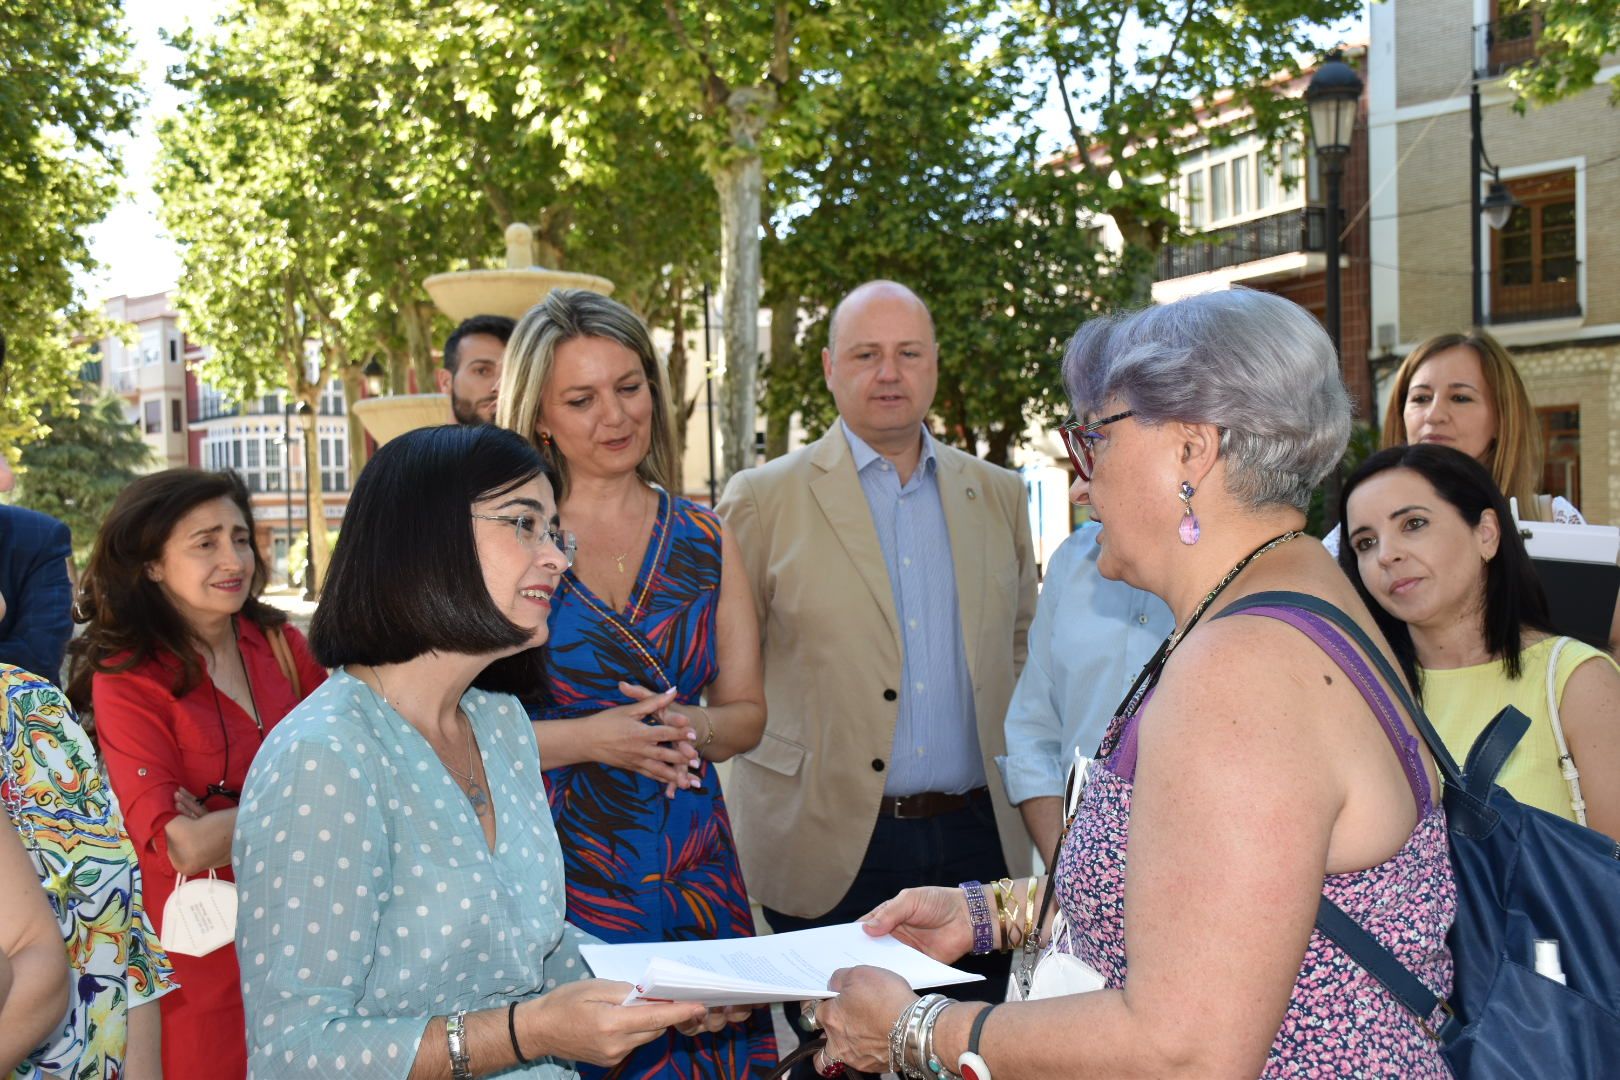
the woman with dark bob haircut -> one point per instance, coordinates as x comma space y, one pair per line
1428, 540
402, 894
185, 671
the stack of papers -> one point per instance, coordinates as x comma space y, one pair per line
755, 971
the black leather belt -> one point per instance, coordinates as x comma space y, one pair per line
927, 804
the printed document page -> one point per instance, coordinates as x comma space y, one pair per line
778, 967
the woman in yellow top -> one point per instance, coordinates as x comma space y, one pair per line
1422, 537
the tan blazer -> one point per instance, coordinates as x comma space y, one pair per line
805, 801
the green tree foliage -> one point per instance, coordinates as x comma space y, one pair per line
76, 470
1133, 76
757, 85
334, 155
1573, 38
918, 181
66, 90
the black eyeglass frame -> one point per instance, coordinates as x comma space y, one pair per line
1078, 440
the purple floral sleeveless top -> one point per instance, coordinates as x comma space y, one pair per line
1340, 1021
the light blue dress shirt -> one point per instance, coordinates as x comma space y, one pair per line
369, 899
936, 740
1087, 644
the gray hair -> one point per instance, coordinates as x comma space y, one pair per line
1257, 366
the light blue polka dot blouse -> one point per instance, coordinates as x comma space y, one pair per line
369, 901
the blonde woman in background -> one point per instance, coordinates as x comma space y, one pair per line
653, 670
1463, 391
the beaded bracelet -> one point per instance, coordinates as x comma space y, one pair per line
978, 905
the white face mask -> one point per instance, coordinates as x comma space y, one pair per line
200, 916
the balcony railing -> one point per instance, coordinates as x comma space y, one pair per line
1527, 303
1508, 41
1263, 238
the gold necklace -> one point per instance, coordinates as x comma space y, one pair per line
623, 555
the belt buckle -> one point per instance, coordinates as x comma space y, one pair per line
900, 814
1431, 1031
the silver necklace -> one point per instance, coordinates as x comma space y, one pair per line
469, 779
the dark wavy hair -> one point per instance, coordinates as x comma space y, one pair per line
1514, 598
405, 577
128, 618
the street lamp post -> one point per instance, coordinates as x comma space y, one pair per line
1333, 98
312, 482
1497, 206
286, 461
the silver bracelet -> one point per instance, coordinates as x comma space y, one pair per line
455, 1034
936, 1067
930, 1066
912, 1062
897, 1037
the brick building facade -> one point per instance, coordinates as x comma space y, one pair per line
1550, 278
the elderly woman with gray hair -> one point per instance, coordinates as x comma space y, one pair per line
1248, 774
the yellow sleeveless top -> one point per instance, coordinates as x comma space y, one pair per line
1461, 701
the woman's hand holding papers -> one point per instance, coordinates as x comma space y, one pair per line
932, 920
858, 1020
584, 1021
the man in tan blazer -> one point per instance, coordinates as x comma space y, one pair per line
895, 581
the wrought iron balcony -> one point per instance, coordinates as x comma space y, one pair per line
1287, 233
1508, 41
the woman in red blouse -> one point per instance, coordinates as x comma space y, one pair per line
185, 671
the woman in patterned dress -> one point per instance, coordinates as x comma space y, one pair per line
55, 797
185, 671
1263, 770
653, 618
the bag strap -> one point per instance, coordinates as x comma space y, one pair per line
1566, 761
282, 651
1057, 849
1448, 765
1331, 920
1394, 976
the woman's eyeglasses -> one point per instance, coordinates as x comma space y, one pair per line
1080, 439
531, 535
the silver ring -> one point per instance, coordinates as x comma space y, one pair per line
807, 1015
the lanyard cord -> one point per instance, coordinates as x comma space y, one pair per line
1149, 677
221, 788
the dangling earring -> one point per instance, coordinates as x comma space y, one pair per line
1189, 520
545, 441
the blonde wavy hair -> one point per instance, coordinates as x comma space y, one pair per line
566, 314
1514, 456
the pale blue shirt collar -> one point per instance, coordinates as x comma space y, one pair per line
864, 455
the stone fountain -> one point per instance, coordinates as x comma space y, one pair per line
462, 294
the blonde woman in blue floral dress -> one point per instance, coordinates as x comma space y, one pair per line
56, 798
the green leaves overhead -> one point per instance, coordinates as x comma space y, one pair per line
66, 92
1573, 37
76, 470
1134, 77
